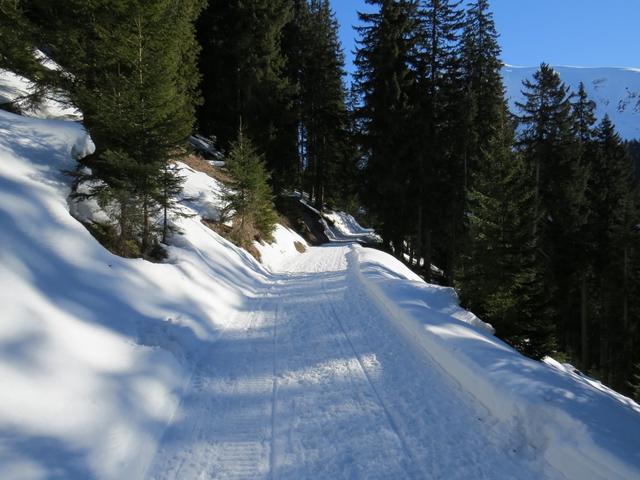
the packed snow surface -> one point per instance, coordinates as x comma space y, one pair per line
338, 363
616, 92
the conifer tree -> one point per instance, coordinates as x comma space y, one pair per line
584, 114
613, 197
635, 384
548, 143
249, 200
129, 66
440, 124
296, 40
244, 76
323, 101
17, 39
503, 276
386, 84
487, 115
482, 74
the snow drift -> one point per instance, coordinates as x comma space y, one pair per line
584, 432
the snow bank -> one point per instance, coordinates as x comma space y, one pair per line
346, 224
582, 431
95, 350
342, 227
282, 250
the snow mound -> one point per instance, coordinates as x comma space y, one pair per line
282, 250
582, 430
341, 227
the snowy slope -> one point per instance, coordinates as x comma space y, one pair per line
341, 227
16, 88
95, 349
583, 429
615, 90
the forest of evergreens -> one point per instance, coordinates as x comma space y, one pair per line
532, 215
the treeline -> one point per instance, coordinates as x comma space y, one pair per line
146, 73
277, 66
533, 217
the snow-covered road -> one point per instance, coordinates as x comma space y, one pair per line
314, 382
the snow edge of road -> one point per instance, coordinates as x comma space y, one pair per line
563, 439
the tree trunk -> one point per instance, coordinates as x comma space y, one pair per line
584, 323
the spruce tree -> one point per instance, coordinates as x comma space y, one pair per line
440, 125
482, 72
635, 384
323, 102
386, 83
613, 196
487, 115
244, 76
17, 40
503, 278
584, 247
249, 200
129, 66
549, 145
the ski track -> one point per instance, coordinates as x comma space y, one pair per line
313, 382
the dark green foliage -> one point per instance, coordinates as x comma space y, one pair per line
633, 147
550, 146
250, 199
441, 126
588, 207
17, 39
481, 66
129, 66
503, 281
616, 245
243, 69
386, 82
323, 119
635, 384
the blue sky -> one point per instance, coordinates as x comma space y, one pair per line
589, 33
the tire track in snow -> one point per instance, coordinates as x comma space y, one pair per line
274, 399
214, 436
390, 418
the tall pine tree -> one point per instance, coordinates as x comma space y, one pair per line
386, 83
244, 79
440, 127
549, 144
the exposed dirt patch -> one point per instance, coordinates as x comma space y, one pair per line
199, 164
228, 233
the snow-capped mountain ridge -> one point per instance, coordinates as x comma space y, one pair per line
616, 91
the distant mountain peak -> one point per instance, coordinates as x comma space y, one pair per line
616, 91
